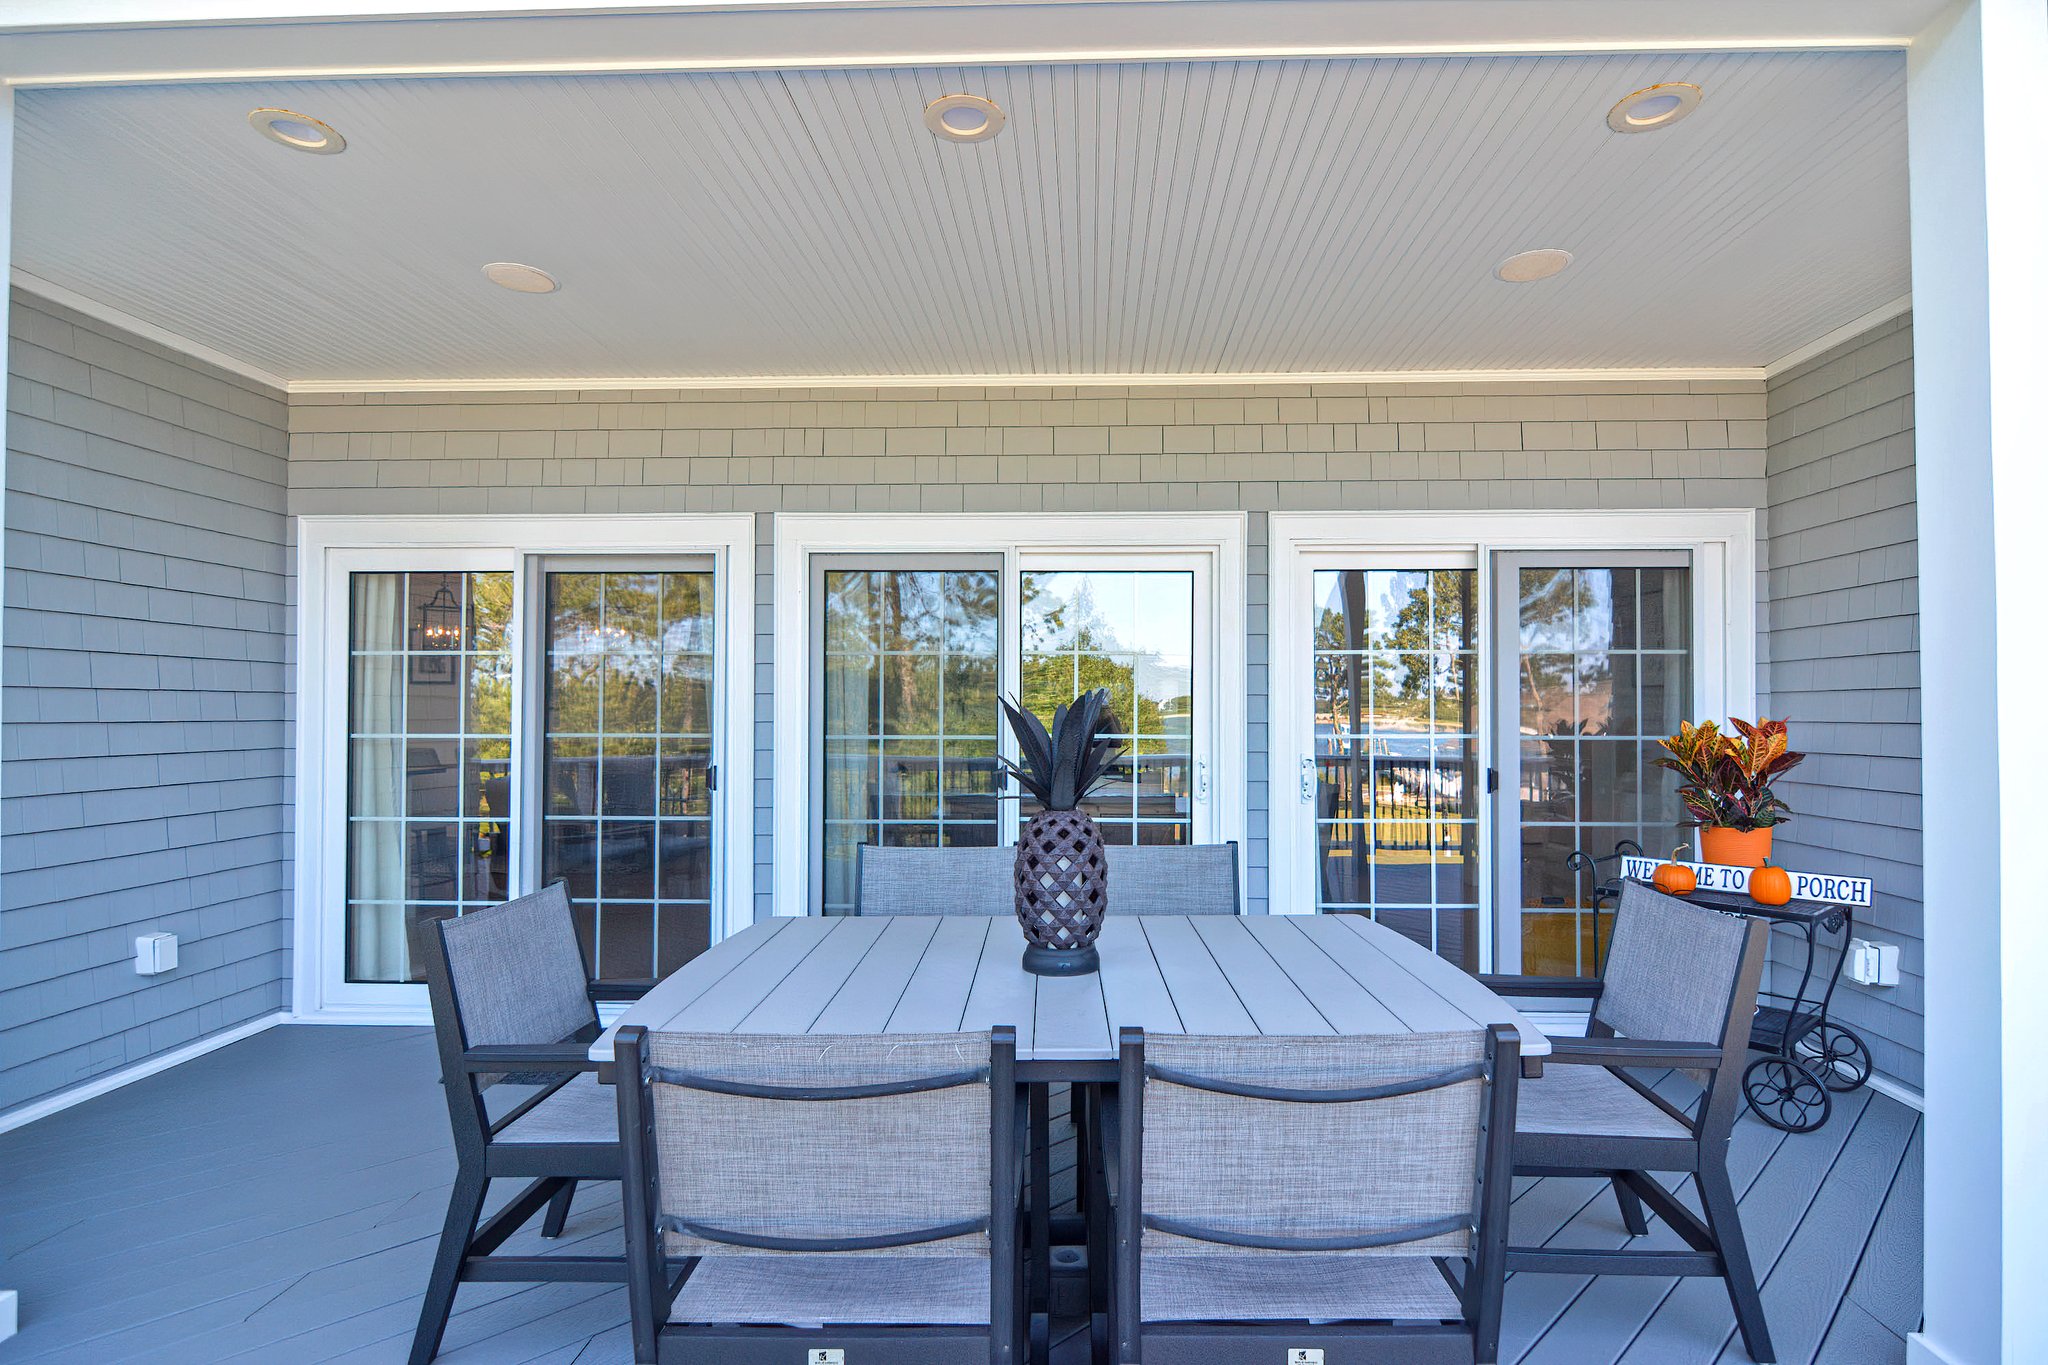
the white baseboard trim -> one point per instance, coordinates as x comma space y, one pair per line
1898, 1090
376, 1016
114, 1080
1921, 1351
10, 1313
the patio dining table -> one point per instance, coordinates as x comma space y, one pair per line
1208, 974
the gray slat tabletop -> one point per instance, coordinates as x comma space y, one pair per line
1277, 974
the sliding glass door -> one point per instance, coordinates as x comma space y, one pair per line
503, 721
909, 655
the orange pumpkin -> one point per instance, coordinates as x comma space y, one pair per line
1770, 885
1674, 878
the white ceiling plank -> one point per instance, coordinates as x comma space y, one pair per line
1301, 217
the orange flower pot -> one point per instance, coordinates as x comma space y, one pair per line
1735, 847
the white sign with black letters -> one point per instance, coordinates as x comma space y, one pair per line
1820, 887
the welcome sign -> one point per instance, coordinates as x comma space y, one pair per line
1806, 886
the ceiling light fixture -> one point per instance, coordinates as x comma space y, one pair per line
1654, 107
1527, 267
964, 118
520, 279
300, 132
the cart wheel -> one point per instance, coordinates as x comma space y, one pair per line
1786, 1095
1837, 1055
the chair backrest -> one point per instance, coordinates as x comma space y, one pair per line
515, 972
758, 1144
1673, 969
1248, 1149
1173, 879
935, 881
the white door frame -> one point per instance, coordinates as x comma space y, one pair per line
1723, 542
331, 547
1211, 541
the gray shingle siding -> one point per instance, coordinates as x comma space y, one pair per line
1842, 645
1254, 448
146, 733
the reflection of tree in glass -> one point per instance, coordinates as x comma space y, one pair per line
1414, 653
1071, 649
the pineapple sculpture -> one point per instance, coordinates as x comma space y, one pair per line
1062, 878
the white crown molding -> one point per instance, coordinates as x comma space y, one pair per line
148, 331
1848, 331
53, 43
616, 383
114, 1080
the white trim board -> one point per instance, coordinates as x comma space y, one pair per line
63, 297
1848, 331
330, 543
127, 1075
204, 42
610, 383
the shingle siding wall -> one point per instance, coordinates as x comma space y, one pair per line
146, 742
1095, 449
1843, 649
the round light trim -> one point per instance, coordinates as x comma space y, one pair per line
1654, 107
520, 279
964, 118
1527, 267
300, 132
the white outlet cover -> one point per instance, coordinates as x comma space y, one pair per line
1304, 1355
826, 1355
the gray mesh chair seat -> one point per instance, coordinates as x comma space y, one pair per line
1343, 1193
800, 1290
935, 881
1678, 993
775, 1185
1172, 879
512, 1002
1593, 1100
1306, 1287
580, 1111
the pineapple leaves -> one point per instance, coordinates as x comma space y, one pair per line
1061, 767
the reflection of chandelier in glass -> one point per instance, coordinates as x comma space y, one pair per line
440, 625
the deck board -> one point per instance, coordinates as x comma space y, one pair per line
296, 1181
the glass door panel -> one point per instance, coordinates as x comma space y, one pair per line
1132, 632
429, 758
1396, 757
626, 763
1603, 665
908, 697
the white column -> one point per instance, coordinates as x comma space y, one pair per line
1981, 391
8, 1310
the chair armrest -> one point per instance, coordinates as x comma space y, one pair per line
563, 1057
1569, 987
620, 990
1634, 1052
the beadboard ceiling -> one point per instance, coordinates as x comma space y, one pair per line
1273, 217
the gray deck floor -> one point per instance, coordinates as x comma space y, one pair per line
278, 1200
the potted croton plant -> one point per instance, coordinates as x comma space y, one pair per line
1062, 878
1726, 781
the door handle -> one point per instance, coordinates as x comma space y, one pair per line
1201, 779
1308, 777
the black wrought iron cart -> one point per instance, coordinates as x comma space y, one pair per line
1808, 1057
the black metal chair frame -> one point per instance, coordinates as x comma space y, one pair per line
1476, 1338
655, 1279
552, 1168
1716, 1245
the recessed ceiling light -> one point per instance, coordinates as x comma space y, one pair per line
300, 132
963, 118
1527, 267
1654, 107
520, 279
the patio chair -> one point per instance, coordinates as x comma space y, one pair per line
512, 1001
854, 1193
1343, 1195
935, 881
1173, 879
1679, 991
